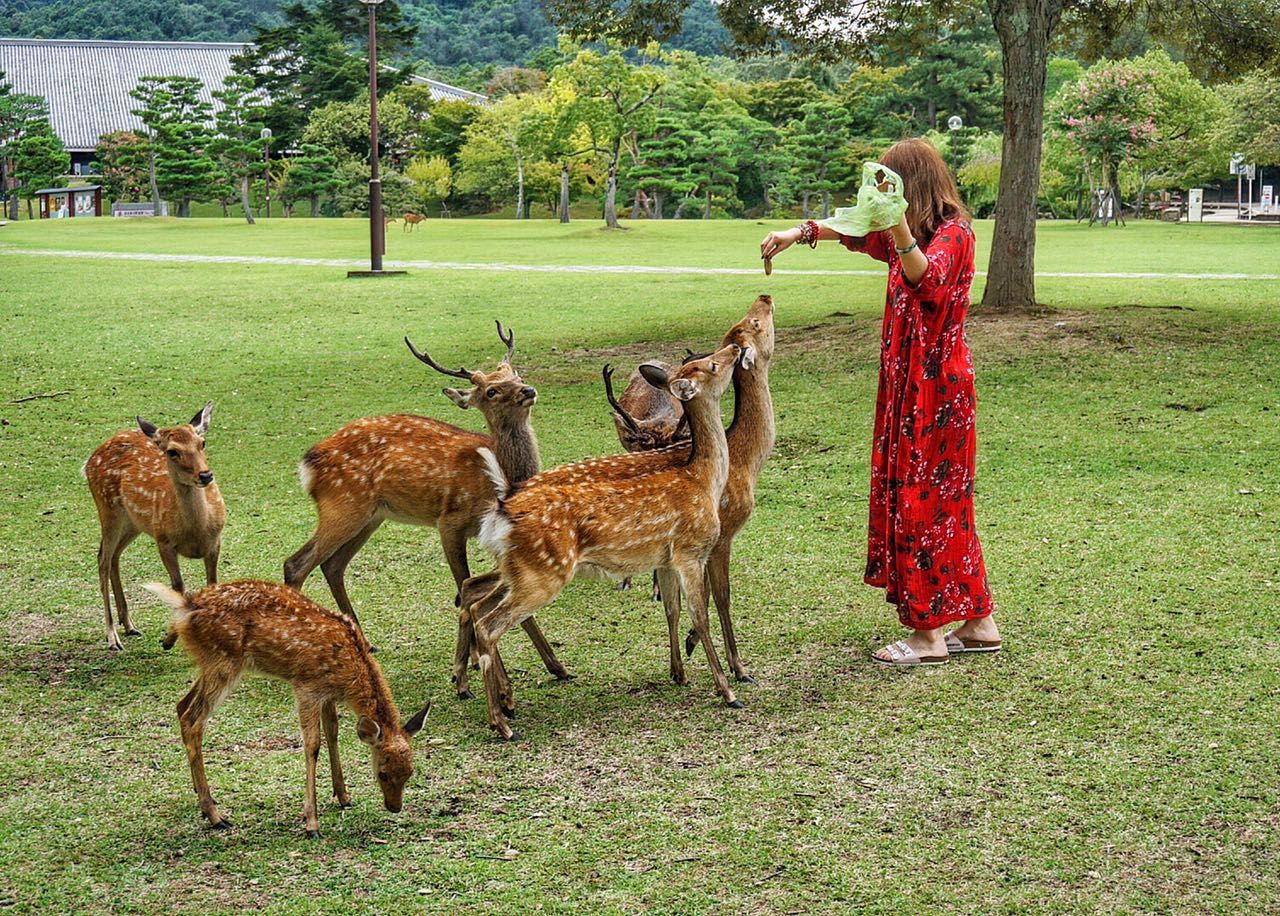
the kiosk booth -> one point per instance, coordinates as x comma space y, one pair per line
65, 203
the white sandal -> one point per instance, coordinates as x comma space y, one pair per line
901, 655
957, 645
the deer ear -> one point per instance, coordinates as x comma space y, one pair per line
369, 731
200, 422
414, 725
748, 357
655, 375
684, 389
461, 398
148, 429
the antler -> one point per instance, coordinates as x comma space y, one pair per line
613, 402
426, 358
690, 356
509, 340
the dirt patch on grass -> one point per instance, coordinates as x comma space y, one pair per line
25, 629
267, 743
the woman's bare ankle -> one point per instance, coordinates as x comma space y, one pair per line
983, 628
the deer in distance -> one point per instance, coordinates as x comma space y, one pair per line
411, 221
645, 419
157, 482
274, 630
610, 516
421, 471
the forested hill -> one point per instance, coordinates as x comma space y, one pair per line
451, 33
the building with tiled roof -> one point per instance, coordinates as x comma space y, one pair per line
87, 83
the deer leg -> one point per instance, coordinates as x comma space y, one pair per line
194, 710
329, 718
462, 654
309, 714
656, 594
169, 557
492, 618
335, 567
670, 582
104, 584
453, 538
718, 583
466, 645
693, 581
554, 666
117, 587
625, 585
211, 565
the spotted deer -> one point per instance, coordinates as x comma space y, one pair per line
274, 630
157, 482
645, 419
420, 471
609, 516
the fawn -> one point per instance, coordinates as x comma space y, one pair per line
157, 482
271, 629
421, 471
612, 516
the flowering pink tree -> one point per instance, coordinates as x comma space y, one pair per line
1109, 117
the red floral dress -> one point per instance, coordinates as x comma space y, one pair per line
922, 547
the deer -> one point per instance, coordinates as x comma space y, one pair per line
387, 220
750, 439
421, 471
274, 630
411, 221
157, 482
645, 419
609, 516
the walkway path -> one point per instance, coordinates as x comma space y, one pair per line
572, 268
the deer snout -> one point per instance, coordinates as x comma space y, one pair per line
393, 807
204, 478
528, 394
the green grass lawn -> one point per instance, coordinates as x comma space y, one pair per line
1119, 755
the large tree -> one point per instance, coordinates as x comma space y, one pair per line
178, 136
39, 161
238, 146
1218, 36
19, 114
120, 159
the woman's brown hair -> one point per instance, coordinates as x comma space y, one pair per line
931, 193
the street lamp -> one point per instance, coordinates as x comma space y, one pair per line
955, 122
377, 227
266, 165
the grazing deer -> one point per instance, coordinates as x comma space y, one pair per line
387, 220
421, 471
411, 221
275, 630
156, 482
612, 516
645, 419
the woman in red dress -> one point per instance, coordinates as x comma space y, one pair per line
922, 546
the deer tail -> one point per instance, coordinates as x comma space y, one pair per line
493, 471
181, 606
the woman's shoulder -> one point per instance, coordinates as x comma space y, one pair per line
954, 224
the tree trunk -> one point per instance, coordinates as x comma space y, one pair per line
657, 203
30, 215
826, 203
933, 100
315, 205
151, 177
564, 192
706, 207
635, 205
768, 204
804, 205
519, 187
184, 208
611, 188
244, 198
1024, 28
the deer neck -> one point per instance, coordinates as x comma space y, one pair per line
515, 447
709, 452
193, 505
751, 434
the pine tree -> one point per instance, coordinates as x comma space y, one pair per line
178, 136
311, 176
39, 160
818, 143
19, 113
661, 168
239, 146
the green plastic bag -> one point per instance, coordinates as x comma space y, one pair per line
874, 210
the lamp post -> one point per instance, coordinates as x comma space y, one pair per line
377, 227
266, 165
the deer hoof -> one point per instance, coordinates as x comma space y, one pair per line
566, 676
737, 704
512, 736
168, 642
745, 678
509, 712
133, 631
344, 802
690, 643
223, 824
624, 585
313, 834
466, 695
373, 650
116, 646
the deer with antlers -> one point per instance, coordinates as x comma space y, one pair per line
277, 631
645, 419
157, 482
607, 516
421, 471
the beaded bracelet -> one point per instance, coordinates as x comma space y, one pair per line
809, 233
